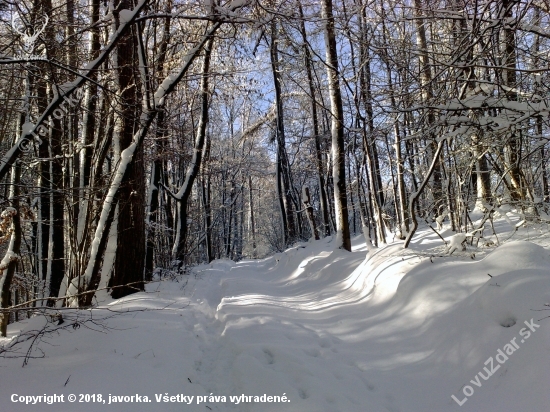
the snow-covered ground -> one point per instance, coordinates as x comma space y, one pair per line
322, 329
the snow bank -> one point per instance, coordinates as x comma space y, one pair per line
391, 330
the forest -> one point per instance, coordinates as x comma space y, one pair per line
142, 138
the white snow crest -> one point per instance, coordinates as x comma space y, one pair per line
125, 16
27, 128
9, 257
125, 158
456, 242
160, 93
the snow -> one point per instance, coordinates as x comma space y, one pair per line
456, 242
235, 4
68, 87
160, 93
8, 211
27, 128
125, 16
387, 329
9, 257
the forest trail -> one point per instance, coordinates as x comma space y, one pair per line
327, 329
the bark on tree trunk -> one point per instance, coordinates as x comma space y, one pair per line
156, 169
58, 222
337, 130
427, 97
9, 262
252, 225
369, 143
129, 261
401, 188
283, 163
182, 197
206, 202
306, 199
513, 148
414, 197
314, 118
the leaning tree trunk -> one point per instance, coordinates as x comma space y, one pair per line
182, 197
414, 197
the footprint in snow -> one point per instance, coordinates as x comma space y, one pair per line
312, 352
508, 322
269, 357
325, 343
369, 385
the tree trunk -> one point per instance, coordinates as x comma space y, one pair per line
513, 148
9, 262
182, 197
252, 223
129, 261
414, 197
366, 95
205, 181
154, 194
306, 199
58, 218
369, 143
343, 239
314, 118
284, 165
401, 188
539, 91
427, 96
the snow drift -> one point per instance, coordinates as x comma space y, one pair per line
394, 330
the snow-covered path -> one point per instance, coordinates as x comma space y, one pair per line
326, 330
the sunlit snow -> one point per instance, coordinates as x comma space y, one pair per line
388, 330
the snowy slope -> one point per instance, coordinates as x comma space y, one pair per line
398, 330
